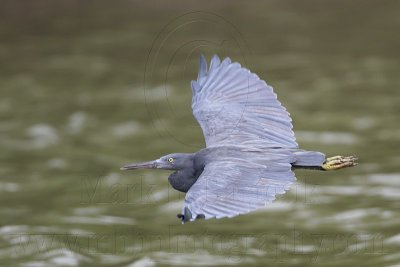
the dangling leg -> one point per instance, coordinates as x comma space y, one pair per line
339, 162
316, 161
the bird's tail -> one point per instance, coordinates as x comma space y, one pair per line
308, 158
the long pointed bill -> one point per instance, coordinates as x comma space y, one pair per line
144, 165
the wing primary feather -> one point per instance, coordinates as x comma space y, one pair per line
202, 68
215, 61
195, 87
251, 110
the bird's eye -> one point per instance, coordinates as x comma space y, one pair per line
171, 160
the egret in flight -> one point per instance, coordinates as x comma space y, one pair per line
251, 150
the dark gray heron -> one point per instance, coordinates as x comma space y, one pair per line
250, 152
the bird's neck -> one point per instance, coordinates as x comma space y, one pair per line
182, 180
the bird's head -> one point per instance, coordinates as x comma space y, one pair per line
175, 161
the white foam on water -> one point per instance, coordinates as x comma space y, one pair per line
76, 122
112, 258
34, 264
306, 194
112, 178
175, 205
298, 248
125, 129
100, 220
277, 206
306, 248
385, 185
8, 187
42, 135
18, 234
64, 257
393, 240
329, 138
256, 252
14, 229
390, 179
363, 123
198, 258
340, 190
87, 210
80, 232
159, 195
65, 261
56, 163
143, 262
386, 192
353, 219
356, 214
392, 257
150, 94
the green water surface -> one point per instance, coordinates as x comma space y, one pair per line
88, 86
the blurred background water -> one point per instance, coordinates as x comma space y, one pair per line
87, 86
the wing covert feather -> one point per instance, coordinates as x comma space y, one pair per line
232, 186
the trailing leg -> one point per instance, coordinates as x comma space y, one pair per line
339, 162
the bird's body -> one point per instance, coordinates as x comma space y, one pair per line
250, 149
183, 179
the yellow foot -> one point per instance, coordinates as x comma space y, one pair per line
338, 162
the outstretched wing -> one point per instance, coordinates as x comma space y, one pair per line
231, 186
234, 106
